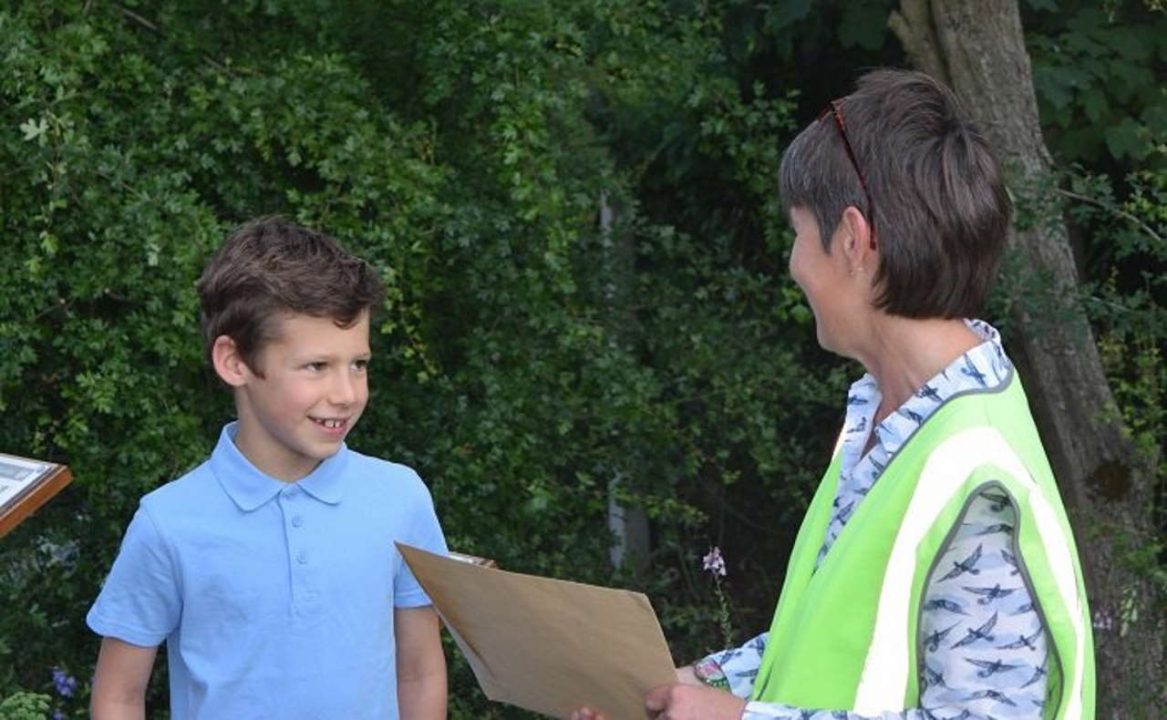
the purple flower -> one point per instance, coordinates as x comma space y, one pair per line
65, 685
713, 562
58, 715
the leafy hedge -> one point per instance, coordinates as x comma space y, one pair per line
527, 357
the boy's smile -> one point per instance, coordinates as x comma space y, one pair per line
308, 392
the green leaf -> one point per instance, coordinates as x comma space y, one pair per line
34, 128
781, 15
863, 24
1125, 140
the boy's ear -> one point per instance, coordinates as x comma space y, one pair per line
229, 364
856, 239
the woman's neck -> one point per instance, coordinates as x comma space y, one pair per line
902, 354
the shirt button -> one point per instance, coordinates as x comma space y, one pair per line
297, 521
302, 557
291, 492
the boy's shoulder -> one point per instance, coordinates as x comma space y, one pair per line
374, 474
371, 463
192, 486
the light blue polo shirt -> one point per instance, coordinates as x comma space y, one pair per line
275, 600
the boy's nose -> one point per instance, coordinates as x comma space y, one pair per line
344, 389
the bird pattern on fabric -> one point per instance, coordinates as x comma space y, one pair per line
984, 648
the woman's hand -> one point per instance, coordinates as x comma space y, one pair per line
689, 702
686, 676
680, 702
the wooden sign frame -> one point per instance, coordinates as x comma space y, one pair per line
26, 485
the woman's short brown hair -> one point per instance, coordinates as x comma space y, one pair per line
270, 268
941, 211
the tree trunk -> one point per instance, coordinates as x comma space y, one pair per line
978, 49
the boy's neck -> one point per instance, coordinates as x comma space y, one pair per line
284, 469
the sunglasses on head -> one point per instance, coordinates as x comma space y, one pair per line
835, 110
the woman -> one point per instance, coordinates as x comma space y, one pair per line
935, 574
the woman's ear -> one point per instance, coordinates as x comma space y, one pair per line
228, 363
856, 239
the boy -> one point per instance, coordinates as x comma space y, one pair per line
270, 570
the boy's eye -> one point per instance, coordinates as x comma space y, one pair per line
316, 366
361, 364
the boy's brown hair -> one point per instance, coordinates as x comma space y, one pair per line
270, 268
904, 152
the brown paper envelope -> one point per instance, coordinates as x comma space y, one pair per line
551, 646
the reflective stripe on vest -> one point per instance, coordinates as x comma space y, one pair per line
845, 634
886, 668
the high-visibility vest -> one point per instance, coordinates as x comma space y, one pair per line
846, 636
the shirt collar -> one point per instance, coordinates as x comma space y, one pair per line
250, 488
986, 361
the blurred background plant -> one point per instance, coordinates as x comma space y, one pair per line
714, 564
24, 706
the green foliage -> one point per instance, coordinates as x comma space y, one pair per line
526, 357
1126, 302
1097, 70
24, 706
